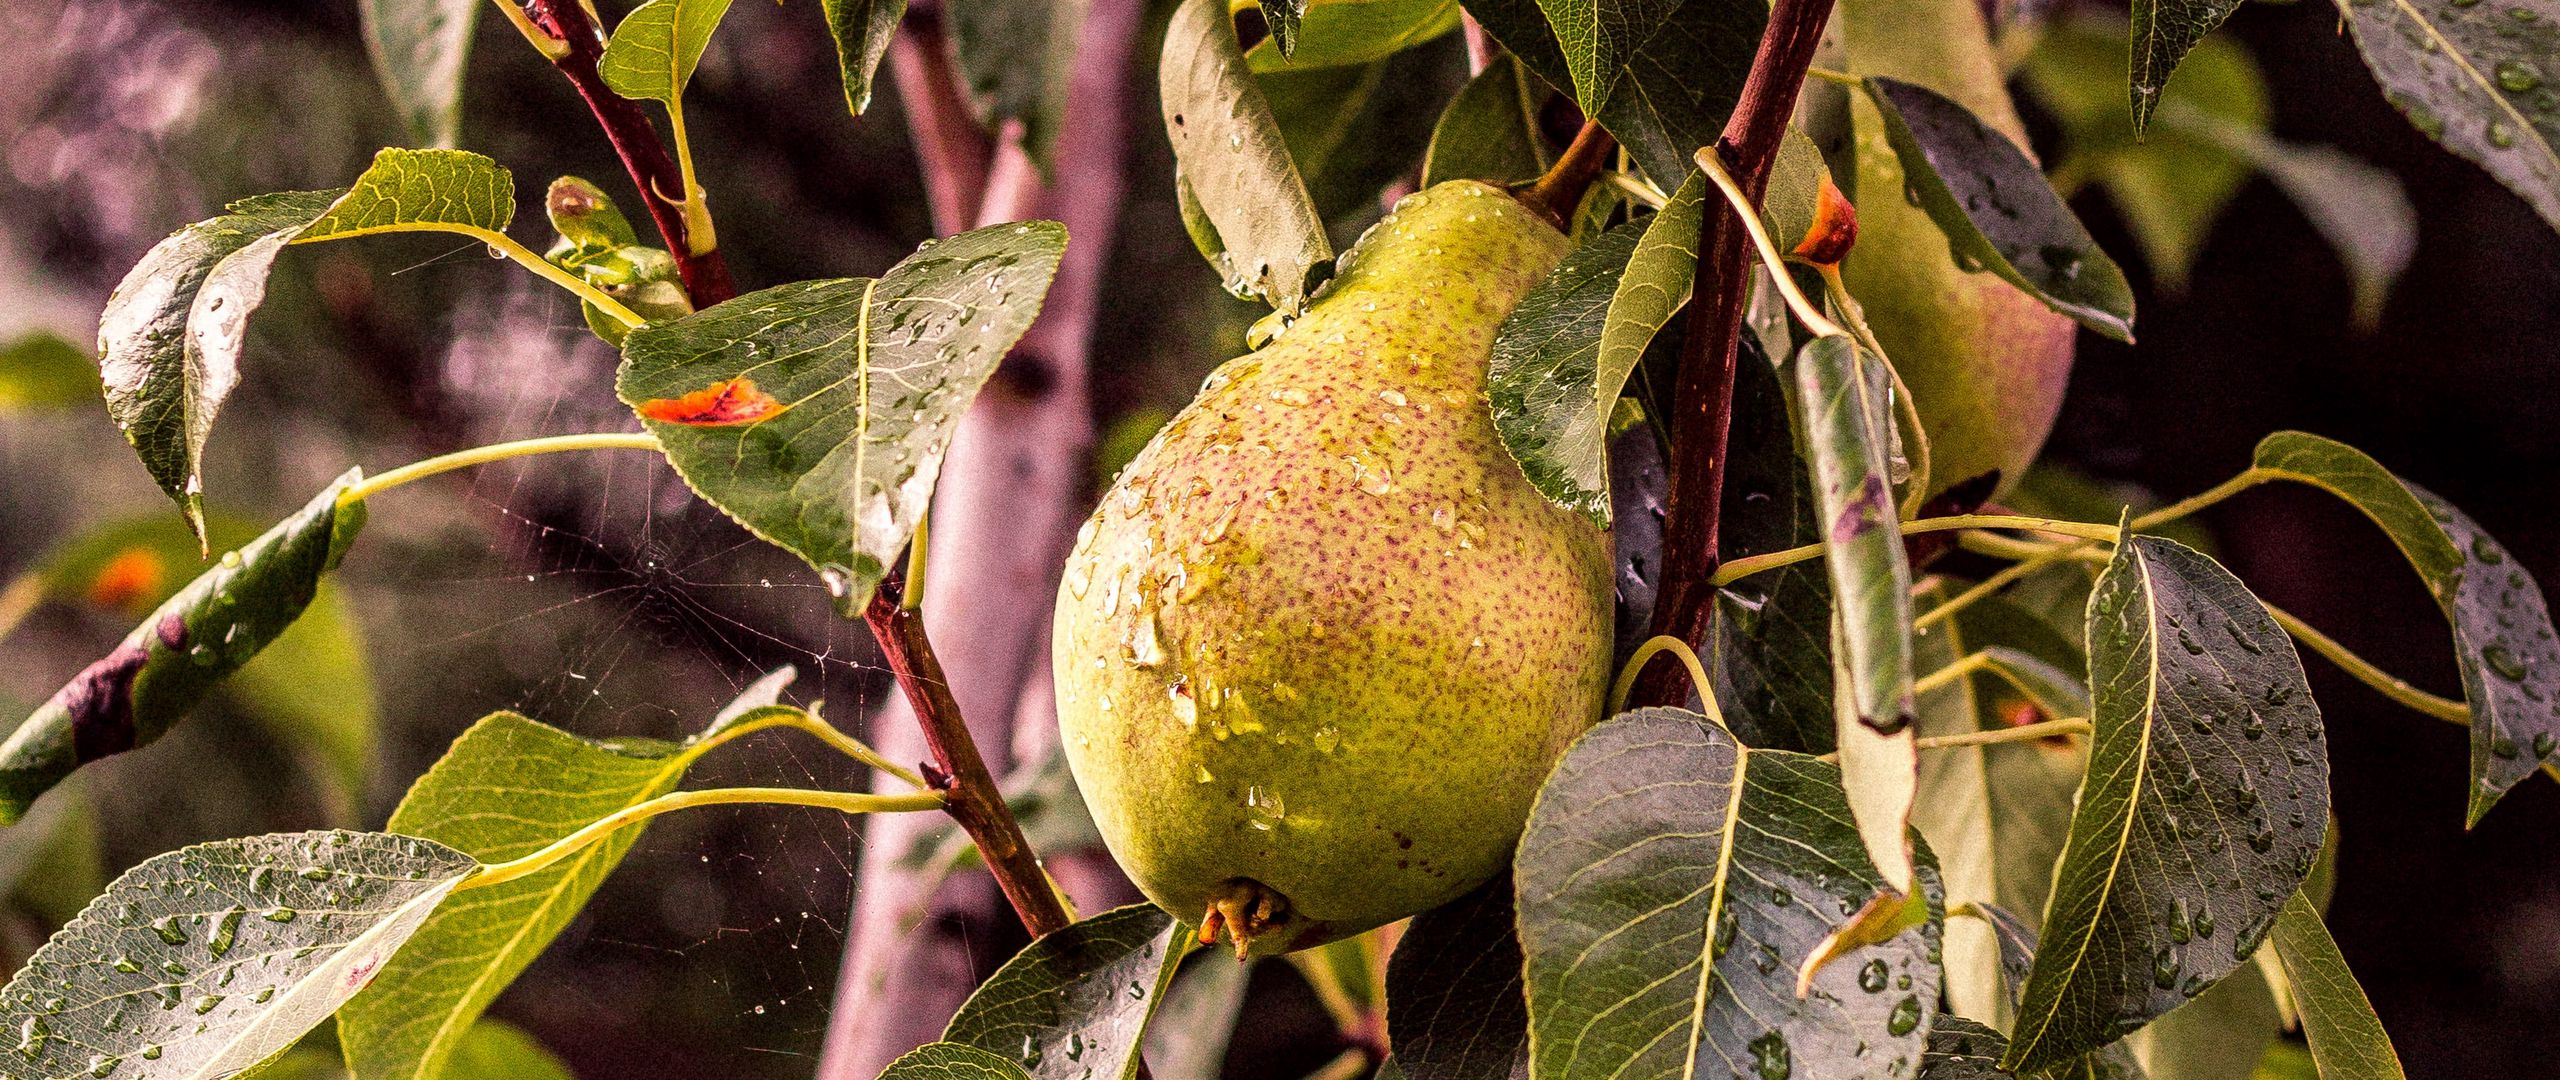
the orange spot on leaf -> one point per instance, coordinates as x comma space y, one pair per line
130, 579
1834, 229
729, 401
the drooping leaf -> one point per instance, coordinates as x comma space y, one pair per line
952, 1061
1772, 650
2163, 31
1074, 1004
862, 30
42, 370
1490, 131
1671, 92
2502, 632
1998, 212
817, 413
496, 1050
207, 960
1551, 397
419, 49
191, 642
1018, 57
1599, 38
1455, 1009
1235, 163
1354, 129
655, 49
2346, 1039
1951, 809
1346, 32
1653, 289
2206, 800
1670, 883
2477, 78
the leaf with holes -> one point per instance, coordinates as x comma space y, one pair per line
186, 646
1017, 58
1455, 1009
2206, 800
2502, 634
2477, 78
1998, 212
2346, 1039
817, 413
1671, 881
655, 49
419, 48
207, 960
1074, 1004
862, 30
1235, 164
1490, 131
2163, 32
1670, 94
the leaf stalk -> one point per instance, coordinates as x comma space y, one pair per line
597, 830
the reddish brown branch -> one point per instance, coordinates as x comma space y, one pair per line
653, 170
952, 149
1702, 409
1560, 190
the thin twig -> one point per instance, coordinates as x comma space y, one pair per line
1560, 189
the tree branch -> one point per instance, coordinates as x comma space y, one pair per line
653, 170
952, 150
1702, 410
1559, 190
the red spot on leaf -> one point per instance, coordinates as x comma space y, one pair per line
1834, 228
132, 578
729, 401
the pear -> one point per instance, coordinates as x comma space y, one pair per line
1319, 645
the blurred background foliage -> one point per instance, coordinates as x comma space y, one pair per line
2262, 221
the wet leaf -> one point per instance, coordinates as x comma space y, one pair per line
1961, 1049
2206, 799
1455, 1009
2163, 31
204, 961
2220, 1035
1017, 58
1998, 212
2477, 78
1355, 129
2502, 633
186, 646
862, 30
1340, 33
2347, 1041
1073, 1005
655, 48
1284, 17
1671, 92
43, 370
419, 49
952, 1061
1670, 883
2017, 950
1490, 131
1235, 162
1551, 398
865, 379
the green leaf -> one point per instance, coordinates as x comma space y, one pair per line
1490, 131
2477, 78
419, 191
2163, 31
1346, 32
1235, 162
1193, 1029
1671, 94
655, 48
862, 30
197, 637
597, 244
1961, 1049
207, 960
1670, 883
2017, 945
1951, 808
952, 1061
1074, 1004
1600, 38
1018, 57
495, 1050
54, 861
43, 370
1998, 212
1551, 397
2346, 1039
1352, 130
2206, 800
1792, 206
2220, 1035
506, 788
2360, 209
1772, 652
419, 49
1284, 18
2502, 632
1455, 1009
817, 413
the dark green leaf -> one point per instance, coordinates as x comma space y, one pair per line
2477, 78
419, 49
1672, 92
952, 1061
1960, 1049
1018, 57
2502, 634
1772, 655
1234, 162
862, 29
1454, 1005
1074, 1004
2218, 1036
1355, 129
41, 370
2017, 945
1340, 32
817, 413
210, 959
1490, 131
655, 48
1284, 18
191, 642
1998, 212
2204, 807
1551, 400
2163, 31
1670, 883
2346, 1039
1600, 38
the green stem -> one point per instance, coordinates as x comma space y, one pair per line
1811, 316
590, 833
1644, 653
911, 598
698, 234
2021, 733
825, 732
482, 455
2247, 479
1742, 568
1970, 663
524, 256
2391, 686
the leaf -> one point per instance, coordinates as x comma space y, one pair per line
1772, 655
1455, 1009
1669, 882
1353, 130
862, 30
1671, 93
2205, 803
204, 961
1018, 58
417, 191
2502, 632
1235, 162
494, 1050
655, 48
200, 635
419, 49
2017, 945
1551, 398
1997, 210
2220, 1035
2360, 209
2346, 1039
952, 1061
43, 370
1284, 18
1074, 1004
54, 861
1490, 131
2474, 78
2163, 31
1961, 1049
1192, 1030
1951, 809
506, 788
860, 381
1600, 38
1346, 32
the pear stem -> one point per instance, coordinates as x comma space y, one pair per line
1560, 190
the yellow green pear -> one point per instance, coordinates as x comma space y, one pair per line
1320, 643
